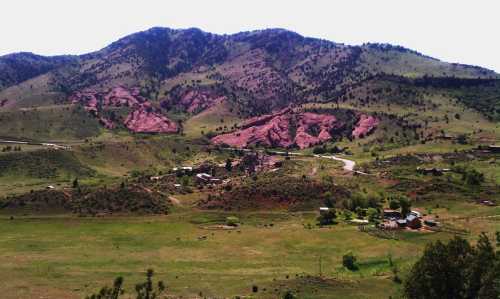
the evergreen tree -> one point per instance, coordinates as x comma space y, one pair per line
455, 270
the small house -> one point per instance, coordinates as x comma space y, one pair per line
184, 170
203, 177
431, 222
413, 222
401, 222
207, 178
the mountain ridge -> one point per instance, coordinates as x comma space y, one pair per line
166, 76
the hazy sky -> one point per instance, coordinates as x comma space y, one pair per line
452, 30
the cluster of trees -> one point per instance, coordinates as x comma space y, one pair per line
359, 201
327, 218
145, 290
400, 202
320, 150
456, 270
9, 148
470, 176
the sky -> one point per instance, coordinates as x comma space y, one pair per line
463, 31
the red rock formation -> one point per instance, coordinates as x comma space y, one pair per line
145, 120
366, 124
276, 130
195, 101
142, 118
121, 96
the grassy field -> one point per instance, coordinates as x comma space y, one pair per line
70, 256
210, 119
65, 256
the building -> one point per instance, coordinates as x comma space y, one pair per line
401, 222
416, 214
413, 222
431, 222
207, 179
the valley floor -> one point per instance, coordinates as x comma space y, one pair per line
63, 256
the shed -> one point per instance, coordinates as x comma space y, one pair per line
431, 222
205, 177
401, 222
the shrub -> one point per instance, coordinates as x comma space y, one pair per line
288, 295
394, 204
349, 261
327, 218
319, 150
373, 214
232, 221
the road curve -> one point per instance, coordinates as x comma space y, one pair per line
348, 164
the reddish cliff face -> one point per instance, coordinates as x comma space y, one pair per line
282, 129
142, 118
366, 124
195, 101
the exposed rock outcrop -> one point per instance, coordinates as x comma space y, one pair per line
142, 117
366, 124
193, 100
144, 120
283, 129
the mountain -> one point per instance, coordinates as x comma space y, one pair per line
19, 67
147, 81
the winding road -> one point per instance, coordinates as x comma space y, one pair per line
348, 164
